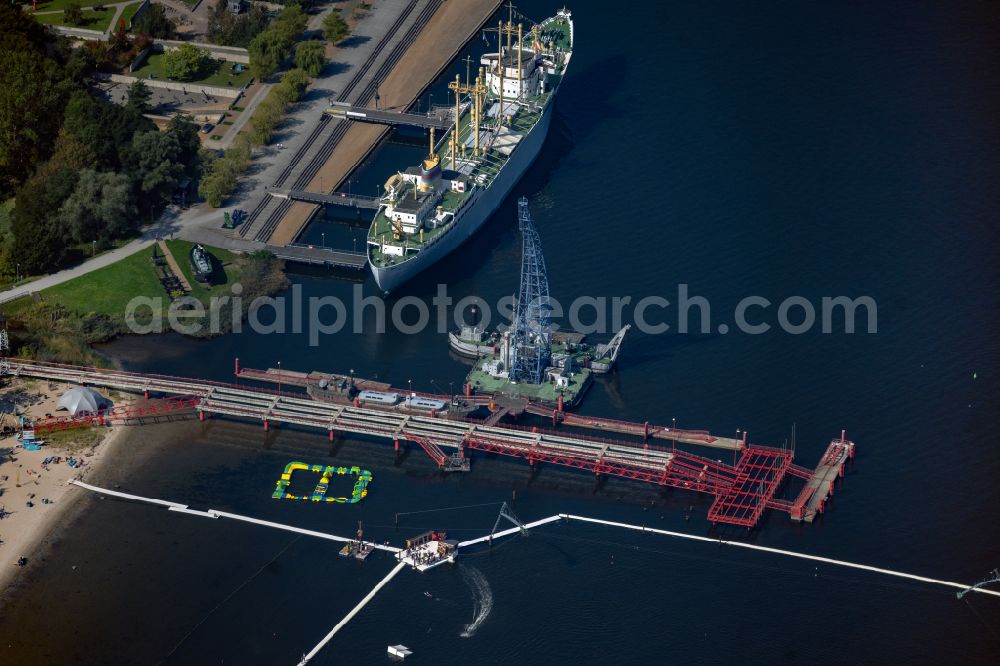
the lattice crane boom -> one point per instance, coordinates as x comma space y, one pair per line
531, 348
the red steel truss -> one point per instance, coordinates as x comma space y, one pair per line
122, 414
742, 491
429, 447
758, 474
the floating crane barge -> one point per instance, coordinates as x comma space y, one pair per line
742, 491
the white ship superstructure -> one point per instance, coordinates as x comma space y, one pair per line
502, 117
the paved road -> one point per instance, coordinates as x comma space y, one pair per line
241, 120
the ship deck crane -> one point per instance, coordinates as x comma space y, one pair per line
611, 349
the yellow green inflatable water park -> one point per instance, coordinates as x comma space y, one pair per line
359, 492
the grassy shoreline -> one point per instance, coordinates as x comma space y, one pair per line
62, 322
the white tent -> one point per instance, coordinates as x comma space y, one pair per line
81, 399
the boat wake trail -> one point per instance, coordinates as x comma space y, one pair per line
482, 598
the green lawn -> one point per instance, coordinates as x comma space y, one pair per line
92, 20
108, 290
51, 5
60, 323
219, 73
129, 12
220, 259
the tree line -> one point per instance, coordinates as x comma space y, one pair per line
220, 174
230, 29
270, 48
77, 166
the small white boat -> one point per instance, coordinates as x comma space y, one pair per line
399, 651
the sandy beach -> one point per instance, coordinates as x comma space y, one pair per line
36, 497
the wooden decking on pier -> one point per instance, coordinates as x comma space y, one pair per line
304, 379
819, 485
325, 256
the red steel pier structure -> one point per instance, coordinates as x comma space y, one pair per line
742, 491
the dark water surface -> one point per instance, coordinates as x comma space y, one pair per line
770, 149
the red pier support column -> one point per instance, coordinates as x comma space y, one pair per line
145, 394
357, 401
395, 445
236, 370
331, 434
201, 415
555, 420
266, 426
560, 403
468, 389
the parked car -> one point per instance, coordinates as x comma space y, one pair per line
206, 128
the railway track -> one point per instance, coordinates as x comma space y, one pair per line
266, 230
348, 89
364, 97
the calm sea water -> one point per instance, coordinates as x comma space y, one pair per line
772, 149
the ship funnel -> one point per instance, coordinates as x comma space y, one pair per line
430, 172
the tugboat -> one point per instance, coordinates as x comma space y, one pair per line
201, 264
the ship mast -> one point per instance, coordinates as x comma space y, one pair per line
474, 112
456, 86
480, 89
502, 67
520, 90
510, 23
502, 30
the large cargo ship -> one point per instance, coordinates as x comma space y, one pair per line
501, 120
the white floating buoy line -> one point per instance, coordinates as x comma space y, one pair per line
519, 528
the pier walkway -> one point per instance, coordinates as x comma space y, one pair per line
820, 482
331, 199
441, 118
742, 491
320, 256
